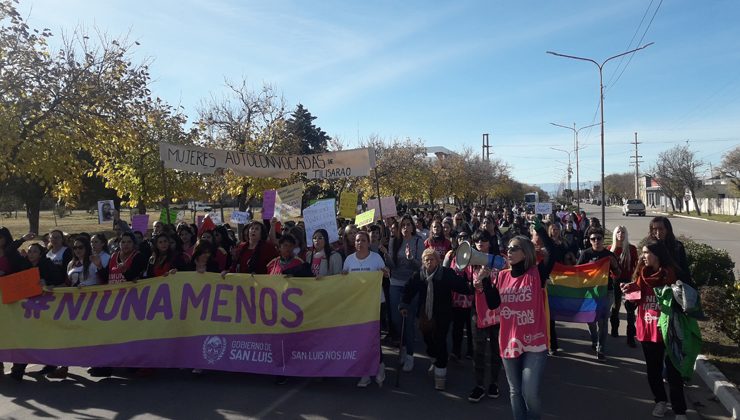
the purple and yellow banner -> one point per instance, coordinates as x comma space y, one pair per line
578, 293
243, 323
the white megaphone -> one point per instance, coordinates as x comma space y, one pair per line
467, 255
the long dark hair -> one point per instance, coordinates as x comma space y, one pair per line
156, 253
201, 247
327, 247
86, 259
226, 242
665, 257
101, 237
398, 240
263, 231
670, 238
8, 243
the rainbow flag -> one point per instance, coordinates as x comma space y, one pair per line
578, 293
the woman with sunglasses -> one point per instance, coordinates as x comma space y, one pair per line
519, 292
80, 272
597, 251
323, 259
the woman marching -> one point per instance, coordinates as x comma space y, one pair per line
434, 284
404, 260
80, 272
255, 251
164, 258
656, 270
626, 254
365, 260
523, 337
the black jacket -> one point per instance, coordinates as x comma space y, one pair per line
444, 285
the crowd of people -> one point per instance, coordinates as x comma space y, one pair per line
425, 290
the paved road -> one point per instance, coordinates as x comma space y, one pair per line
718, 235
575, 387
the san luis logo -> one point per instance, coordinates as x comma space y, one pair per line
214, 348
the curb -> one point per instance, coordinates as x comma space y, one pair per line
725, 391
690, 217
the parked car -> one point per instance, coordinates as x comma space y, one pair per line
633, 206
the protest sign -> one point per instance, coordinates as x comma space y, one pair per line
341, 164
321, 215
216, 218
389, 207
239, 218
140, 223
289, 201
244, 323
106, 209
268, 204
20, 285
199, 220
366, 218
348, 204
174, 216
543, 208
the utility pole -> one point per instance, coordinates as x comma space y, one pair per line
636, 162
486, 154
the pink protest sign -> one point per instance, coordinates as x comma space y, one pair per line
140, 223
268, 204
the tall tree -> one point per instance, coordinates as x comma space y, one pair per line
731, 167
679, 166
54, 104
620, 186
307, 138
248, 121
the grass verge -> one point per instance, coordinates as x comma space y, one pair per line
721, 351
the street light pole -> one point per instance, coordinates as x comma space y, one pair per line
576, 148
601, 105
570, 171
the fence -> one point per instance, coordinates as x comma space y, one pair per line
727, 206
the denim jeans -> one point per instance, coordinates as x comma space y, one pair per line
599, 329
409, 333
524, 375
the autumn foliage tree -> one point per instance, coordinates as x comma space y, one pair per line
53, 104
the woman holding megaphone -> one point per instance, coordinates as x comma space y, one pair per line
519, 294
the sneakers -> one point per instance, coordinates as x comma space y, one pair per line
660, 409
197, 371
60, 373
364, 382
477, 394
430, 371
681, 417
380, 376
493, 391
440, 378
408, 363
601, 357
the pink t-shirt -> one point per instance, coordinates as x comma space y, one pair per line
523, 316
485, 317
648, 312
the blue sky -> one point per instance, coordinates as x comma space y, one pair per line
446, 72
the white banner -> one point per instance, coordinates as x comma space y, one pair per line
388, 204
543, 208
239, 218
321, 215
345, 163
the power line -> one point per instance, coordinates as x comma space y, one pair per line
629, 46
639, 43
